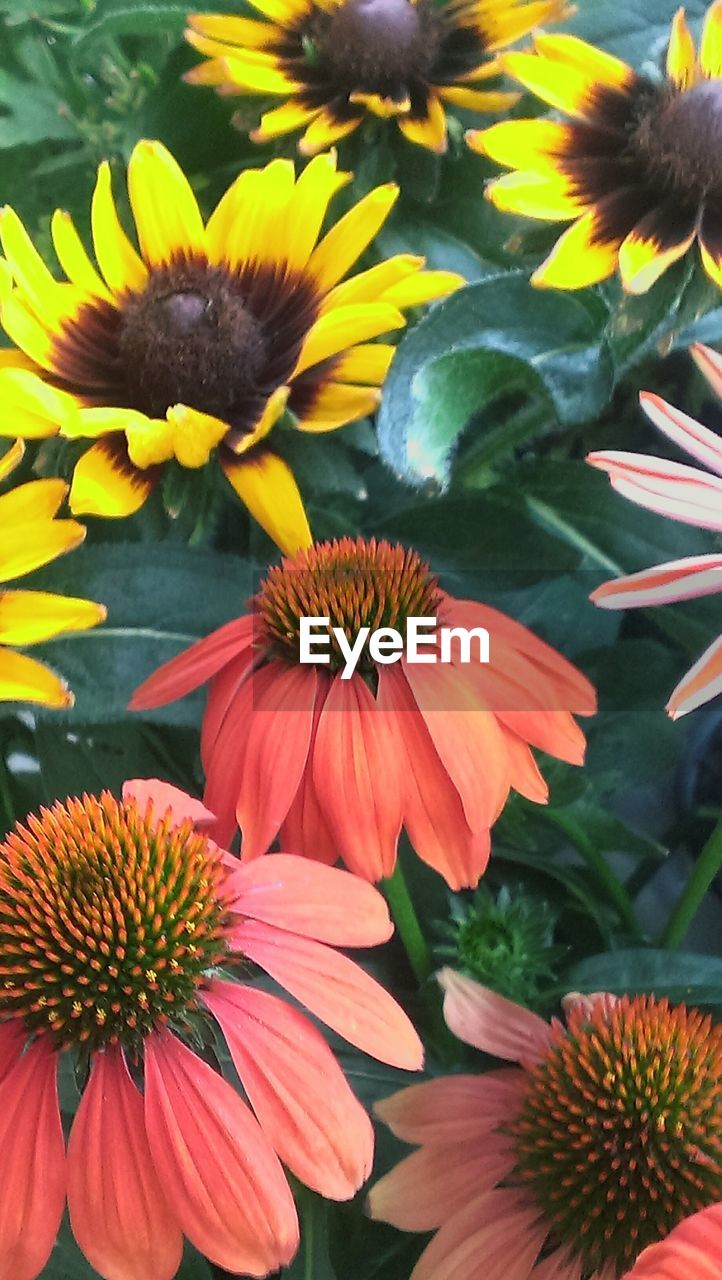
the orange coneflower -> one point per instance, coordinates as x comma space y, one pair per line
194, 346
637, 166
691, 1251
684, 493
128, 941
606, 1134
339, 764
31, 536
334, 63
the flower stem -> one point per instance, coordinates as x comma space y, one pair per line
407, 922
705, 869
598, 865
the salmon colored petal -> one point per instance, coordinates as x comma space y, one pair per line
31, 1140
428, 1187
336, 990
272, 759
702, 682
560, 1265
555, 732
691, 1251
525, 775
305, 829
307, 898
467, 739
164, 797
218, 1170
193, 666
433, 813
501, 1227
119, 1215
222, 692
13, 1037
699, 441
356, 771
296, 1088
454, 1109
492, 1023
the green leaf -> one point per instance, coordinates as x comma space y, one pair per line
485, 340
30, 113
160, 598
695, 979
636, 31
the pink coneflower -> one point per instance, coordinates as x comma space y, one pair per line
338, 765
606, 1134
127, 940
692, 1251
683, 493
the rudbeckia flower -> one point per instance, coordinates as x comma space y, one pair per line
31, 536
684, 493
636, 168
338, 764
601, 1138
692, 1251
127, 941
334, 63
196, 344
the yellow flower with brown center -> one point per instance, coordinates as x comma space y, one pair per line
31, 536
637, 167
196, 344
335, 60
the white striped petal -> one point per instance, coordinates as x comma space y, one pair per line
702, 683
669, 488
690, 435
685, 579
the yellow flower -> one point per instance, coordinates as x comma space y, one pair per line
197, 343
637, 168
30, 537
334, 60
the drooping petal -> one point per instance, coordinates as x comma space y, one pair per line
670, 488
658, 240
222, 693
356, 771
699, 441
702, 682
216, 1167
428, 1187
166, 798
296, 1088
33, 1147
106, 483
501, 1226
310, 899
428, 130
454, 1109
194, 666
685, 579
118, 1212
336, 990
691, 1251
492, 1023
265, 484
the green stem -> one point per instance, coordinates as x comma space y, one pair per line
598, 865
407, 922
705, 869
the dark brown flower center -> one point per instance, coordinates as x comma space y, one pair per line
377, 46
191, 338
679, 140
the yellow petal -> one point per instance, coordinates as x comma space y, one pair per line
121, 266
237, 206
26, 332
250, 222
246, 32
72, 256
578, 258
38, 500
337, 403
344, 327
430, 130
45, 408
150, 441
165, 209
11, 458
216, 49
651, 248
265, 484
326, 129
28, 268
195, 435
23, 679
502, 25
565, 87
282, 120
260, 72
100, 420
353, 233
478, 99
710, 50
315, 189
536, 195
284, 12
211, 73
106, 484
522, 144
422, 287
384, 108
368, 363
271, 412
28, 617
594, 63
26, 547
371, 285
